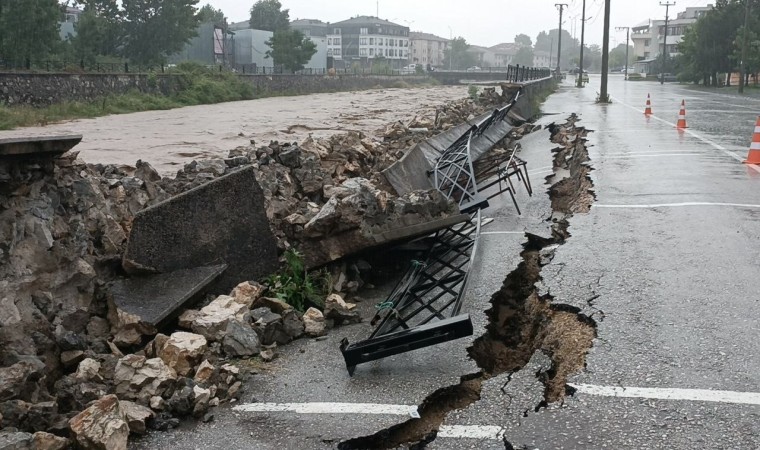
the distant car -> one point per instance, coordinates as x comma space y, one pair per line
473, 69
667, 77
411, 68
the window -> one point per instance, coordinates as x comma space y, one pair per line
336, 30
647, 42
372, 52
336, 52
329, 41
329, 52
336, 41
363, 41
364, 31
371, 41
380, 41
362, 52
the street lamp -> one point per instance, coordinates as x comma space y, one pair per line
451, 48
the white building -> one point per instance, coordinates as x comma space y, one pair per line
427, 49
648, 37
363, 39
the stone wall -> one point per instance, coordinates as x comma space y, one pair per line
42, 89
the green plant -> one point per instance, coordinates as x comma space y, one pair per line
296, 286
473, 91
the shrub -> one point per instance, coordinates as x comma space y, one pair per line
296, 287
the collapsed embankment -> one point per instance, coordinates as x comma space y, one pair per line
521, 320
65, 349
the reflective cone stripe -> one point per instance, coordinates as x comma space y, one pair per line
648, 111
682, 116
754, 149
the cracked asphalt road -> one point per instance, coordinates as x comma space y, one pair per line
665, 262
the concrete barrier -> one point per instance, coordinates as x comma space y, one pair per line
221, 222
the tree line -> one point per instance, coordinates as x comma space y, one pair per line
143, 32
712, 46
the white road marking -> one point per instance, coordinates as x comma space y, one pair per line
648, 155
329, 408
488, 233
691, 133
676, 205
471, 432
695, 395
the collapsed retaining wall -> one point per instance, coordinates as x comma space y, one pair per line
42, 89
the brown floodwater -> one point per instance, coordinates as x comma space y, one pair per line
170, 139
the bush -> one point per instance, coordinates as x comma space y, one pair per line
296, 287
473, 91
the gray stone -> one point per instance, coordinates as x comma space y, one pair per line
137, 416
89, 370
183, 351
290, 157
270, 327
156, 298
214, 317
223, 220
102, 426
47, 441
14, 379
292, 325
339, 311
14, 440
213, 166
71, 358
240, 340
138, 378
314, 323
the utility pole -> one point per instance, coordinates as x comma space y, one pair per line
604, 97
583, 37
743, 64
551, 52
562, 7
627, 37
451, 47
667, 6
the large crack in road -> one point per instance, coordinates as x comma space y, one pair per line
521, 321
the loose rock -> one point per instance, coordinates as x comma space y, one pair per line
102, 426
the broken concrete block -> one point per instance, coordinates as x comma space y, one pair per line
102, 426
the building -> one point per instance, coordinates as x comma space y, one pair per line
310, 27
648, 37
427, 49
542, 58
211, 46
251, 51
504, 53
484, 57
363, 39
67, 28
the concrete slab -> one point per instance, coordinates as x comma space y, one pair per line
221, 222
154, 298
43, 146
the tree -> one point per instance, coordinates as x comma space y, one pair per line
547, 42
28, 30
154, 29
524, 56
99, 31
617, 56
208, 14
457, 56
291, 49
268, 15
523, 40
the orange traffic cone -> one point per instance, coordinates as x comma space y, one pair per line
648, 111
754, 149
682, 116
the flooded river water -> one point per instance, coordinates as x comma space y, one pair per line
169, 139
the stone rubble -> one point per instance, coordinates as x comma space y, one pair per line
72, 364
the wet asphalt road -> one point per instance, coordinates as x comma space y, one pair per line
677, 306
676, 284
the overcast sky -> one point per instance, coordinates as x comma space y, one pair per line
480, 22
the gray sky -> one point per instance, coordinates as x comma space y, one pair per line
481, 22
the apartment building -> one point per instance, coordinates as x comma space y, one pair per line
648, 37
427, 49
363, 39
504, 53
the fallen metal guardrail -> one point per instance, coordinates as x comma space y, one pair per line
424, 308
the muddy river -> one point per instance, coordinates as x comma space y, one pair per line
169, 139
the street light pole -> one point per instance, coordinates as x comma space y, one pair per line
743, 64
562, 7
604, 97
451, 47
627, 38
667, 6
583, 38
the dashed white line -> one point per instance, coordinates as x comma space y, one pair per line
691, 133
676, 205
696, 395
330, 408
471, 432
